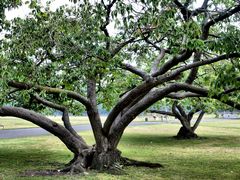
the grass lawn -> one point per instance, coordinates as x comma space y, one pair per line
15, 123
214, 156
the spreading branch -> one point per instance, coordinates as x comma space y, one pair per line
156, 62
178, 71
74, 144
222, 16
161, 112
135, 70
50, 90
171, 63
65, 116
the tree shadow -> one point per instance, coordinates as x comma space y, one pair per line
29, 158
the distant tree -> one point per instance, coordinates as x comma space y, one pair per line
74, 59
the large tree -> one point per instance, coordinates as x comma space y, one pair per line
122, 55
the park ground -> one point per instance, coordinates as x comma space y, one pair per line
216, 155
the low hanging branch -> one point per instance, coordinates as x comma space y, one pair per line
74, 144
65, 116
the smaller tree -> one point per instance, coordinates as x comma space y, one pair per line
184, 112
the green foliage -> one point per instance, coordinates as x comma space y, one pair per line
228, 41
64, 48
6, 4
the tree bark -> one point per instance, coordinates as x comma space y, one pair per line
185, 133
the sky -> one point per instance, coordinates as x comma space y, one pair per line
24, 10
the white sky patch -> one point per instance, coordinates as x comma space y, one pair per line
24, 10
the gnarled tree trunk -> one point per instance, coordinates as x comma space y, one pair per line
186, 131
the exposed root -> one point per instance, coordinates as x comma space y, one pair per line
111, 162
131, 162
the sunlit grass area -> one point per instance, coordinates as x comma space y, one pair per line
15, 123
216, 155
12, 122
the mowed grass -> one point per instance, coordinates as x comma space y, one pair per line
216, 155
16, 123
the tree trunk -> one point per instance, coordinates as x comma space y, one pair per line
106, 160
94, 159
185, 133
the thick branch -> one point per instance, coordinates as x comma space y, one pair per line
156, 62
219, 18
135, 70
153, 96
162, 112
125, 101
182, 95
50, 90
73, 143
181, 110
65, 116
171, 63
178, 71
93, 113
185, 12
193, 73
201, 92
198, 121
184, 121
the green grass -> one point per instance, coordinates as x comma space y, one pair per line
15, 123
214, 156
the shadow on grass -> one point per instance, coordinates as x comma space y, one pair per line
30, 159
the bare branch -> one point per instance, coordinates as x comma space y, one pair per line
193, 73
127, 99
182, 95
178, 114
65, 116
198, 120
181, 110
135, 70
156, 62
171, 63
205, 4
161, 112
